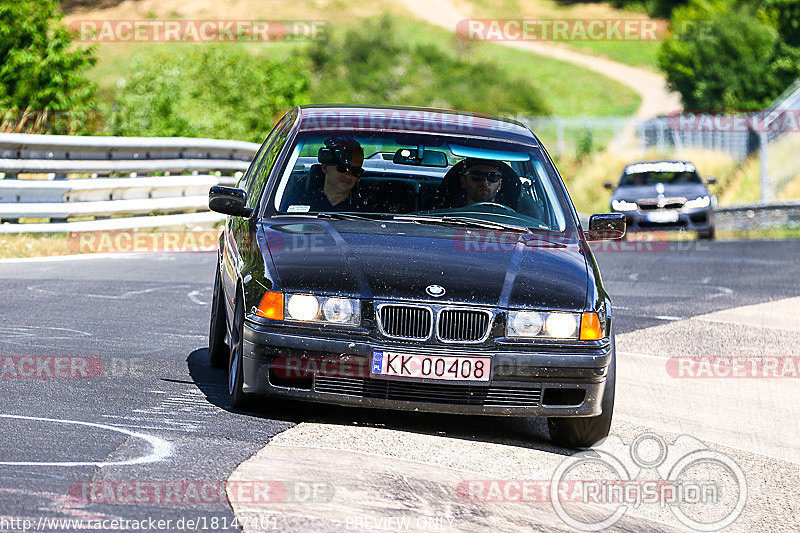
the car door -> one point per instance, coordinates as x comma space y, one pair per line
239, 238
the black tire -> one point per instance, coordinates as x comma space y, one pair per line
218, 352
707, 235
239, 399
583, 432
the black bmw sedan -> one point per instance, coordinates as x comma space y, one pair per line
413, 259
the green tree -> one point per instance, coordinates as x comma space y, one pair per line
42, 83
221, 91
371, 65
729, 55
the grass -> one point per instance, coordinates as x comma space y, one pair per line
565, 89
761, 234
636, 53
33, 245
174, 239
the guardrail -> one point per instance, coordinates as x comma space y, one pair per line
759, 216
65, 195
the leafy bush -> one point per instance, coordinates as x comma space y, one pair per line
371, 66
655, 8
41, 74
728, 55
220, 91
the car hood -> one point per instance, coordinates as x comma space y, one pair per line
398, 261
631, 193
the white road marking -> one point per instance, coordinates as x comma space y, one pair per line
193, 296
76, 257
161, 449
123, 296
669, 318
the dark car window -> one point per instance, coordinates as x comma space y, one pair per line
529, 195
245, 179
270, 155
664, 172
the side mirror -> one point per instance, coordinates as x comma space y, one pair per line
711, 181
604, 226
608, 185
228, 201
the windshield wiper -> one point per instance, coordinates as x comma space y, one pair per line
464, 222
332, 215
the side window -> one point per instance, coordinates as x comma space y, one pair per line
246, 180
260, 175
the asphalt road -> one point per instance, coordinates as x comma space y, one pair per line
151, 410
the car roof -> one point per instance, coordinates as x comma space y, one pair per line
655, 162
412, 120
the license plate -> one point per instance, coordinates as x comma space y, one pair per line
453, 368
662, 216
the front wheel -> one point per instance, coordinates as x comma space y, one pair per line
218, 353
583, 432
236, 360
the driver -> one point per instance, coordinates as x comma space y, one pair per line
480, 180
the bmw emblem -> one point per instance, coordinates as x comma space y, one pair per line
435, 290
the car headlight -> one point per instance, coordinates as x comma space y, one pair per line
561, 325
698, 203
622, 205
324, 309
554, 325
524, 324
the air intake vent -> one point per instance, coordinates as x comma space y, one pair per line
405, 322
463, 325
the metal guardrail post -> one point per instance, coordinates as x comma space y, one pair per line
763, 161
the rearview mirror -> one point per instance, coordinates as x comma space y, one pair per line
608, 185
420, 157
228, 201
604, 226
711, 181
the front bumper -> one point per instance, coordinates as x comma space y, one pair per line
559, 380
700, 220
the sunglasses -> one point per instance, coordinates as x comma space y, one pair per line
354, 171
481, 175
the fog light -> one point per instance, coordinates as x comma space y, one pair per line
561, 325
303, 307
338, 310
524, 323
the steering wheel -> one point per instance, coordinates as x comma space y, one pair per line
493, 204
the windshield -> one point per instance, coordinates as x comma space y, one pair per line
668, 173
433, 178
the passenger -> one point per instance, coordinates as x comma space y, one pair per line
341, 176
